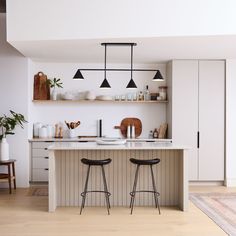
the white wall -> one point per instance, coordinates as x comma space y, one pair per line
230, 123
78, 19
14, 96
151, 115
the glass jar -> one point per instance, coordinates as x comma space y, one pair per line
163, 92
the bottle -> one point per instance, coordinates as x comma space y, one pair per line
146, 94
140, 96
150, 134
155, 134
133, 131
128, 131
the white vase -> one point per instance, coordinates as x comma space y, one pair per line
4, 150
54, 94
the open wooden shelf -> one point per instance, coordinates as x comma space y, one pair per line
95, 101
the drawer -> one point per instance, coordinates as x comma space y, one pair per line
40, 162
39, 175
39, 152
41, 144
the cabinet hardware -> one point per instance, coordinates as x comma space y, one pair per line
49, 141
46, 157
46, 169
45, 148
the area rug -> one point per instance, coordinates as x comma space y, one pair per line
38, 191
220, 207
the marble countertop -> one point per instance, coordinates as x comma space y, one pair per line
127, 146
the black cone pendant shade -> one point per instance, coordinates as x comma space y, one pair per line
105, 84
158, 76
131, 84
78, 75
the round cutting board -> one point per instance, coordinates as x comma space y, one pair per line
130, 121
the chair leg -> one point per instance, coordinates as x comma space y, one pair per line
85, 190
9, 177
155, 190
133, 193
106, 190
14, 174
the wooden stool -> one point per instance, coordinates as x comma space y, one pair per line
8, 177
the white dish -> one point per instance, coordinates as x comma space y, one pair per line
111, 141
104, 98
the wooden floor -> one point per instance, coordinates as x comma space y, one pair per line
25, 215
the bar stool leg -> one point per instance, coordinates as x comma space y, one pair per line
106, 190
133, 193
155, 190
85, 191
14, 174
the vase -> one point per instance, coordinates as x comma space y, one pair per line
72, 133
4, 150
54, 94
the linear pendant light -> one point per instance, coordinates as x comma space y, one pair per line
157, 77
105, 83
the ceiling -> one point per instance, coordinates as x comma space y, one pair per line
148, 50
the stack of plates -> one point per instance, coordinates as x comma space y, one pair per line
104, 98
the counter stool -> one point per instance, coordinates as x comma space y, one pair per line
156, 194
84, 193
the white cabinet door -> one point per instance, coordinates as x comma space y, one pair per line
211, 120
185, 109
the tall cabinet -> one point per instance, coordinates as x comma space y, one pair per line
197, 119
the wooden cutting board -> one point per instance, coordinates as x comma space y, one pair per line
130, 121
41, 87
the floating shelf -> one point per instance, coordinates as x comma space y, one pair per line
95, 101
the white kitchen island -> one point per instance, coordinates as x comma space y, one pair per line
67, 174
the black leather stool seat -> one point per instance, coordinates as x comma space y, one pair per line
145, 162
95, 162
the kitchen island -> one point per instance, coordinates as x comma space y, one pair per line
67, 173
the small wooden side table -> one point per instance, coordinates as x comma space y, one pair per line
9, 176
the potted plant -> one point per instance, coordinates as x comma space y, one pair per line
7, 126
53, 83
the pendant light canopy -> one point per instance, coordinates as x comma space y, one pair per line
105, 84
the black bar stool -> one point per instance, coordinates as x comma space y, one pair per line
84, 193
156, 194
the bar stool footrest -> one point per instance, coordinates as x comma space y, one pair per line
144, 191
95, 191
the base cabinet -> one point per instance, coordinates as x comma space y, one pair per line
198, 100
39, 161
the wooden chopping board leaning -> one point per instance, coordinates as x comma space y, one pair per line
41, 87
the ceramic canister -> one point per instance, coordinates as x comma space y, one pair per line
43, 132
36, 128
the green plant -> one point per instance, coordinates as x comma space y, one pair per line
8, 123
55, 83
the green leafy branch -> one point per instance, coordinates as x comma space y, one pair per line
8, 123
55, 83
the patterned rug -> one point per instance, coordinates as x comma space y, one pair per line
38, 191
220, 207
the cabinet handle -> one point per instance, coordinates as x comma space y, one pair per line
198, 139
46, 169
46, 157
45, 148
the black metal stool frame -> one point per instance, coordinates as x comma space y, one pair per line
133, 193
84, 193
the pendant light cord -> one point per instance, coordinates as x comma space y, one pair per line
131, 61
105, 63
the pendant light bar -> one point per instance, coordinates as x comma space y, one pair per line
105, 84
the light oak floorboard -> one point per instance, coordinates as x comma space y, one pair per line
24, 215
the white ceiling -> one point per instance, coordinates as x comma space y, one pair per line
148, 50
